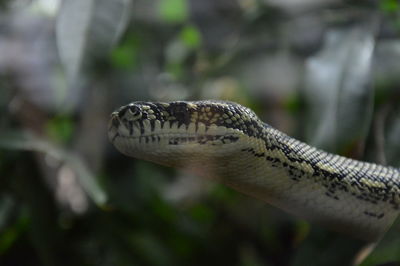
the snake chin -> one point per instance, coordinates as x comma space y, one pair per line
174, 149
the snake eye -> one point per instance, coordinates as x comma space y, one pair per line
133, 112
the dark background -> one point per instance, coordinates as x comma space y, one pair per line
326, 72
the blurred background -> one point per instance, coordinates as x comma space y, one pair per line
326, 72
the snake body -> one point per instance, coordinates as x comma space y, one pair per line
227, 142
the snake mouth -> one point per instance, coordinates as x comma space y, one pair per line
114, 126
136, 129
162, 145
175, 139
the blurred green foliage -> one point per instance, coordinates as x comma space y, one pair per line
60, 129
392, 9
69, 198
124, 56
173, 11
191, 36
389, 5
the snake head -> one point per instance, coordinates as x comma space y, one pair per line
178, 131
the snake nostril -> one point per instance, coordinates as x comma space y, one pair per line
115, 122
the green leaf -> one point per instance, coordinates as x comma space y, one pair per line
293, 104
389, 5
191, 36
10, 234
60, 128
173, 11
124, 57
202, 213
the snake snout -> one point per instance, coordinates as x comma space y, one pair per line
120, 120
114, 121
113, 125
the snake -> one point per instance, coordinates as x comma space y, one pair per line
228, 143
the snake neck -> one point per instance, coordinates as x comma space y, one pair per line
358, 198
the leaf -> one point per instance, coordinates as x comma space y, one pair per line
87, 29
389, 5
173, 11
191, 36
18, 141
10, 234
60, 129
125, 55
338, 91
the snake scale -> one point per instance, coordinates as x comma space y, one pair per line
227, 142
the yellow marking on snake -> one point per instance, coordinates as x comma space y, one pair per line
230, 144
